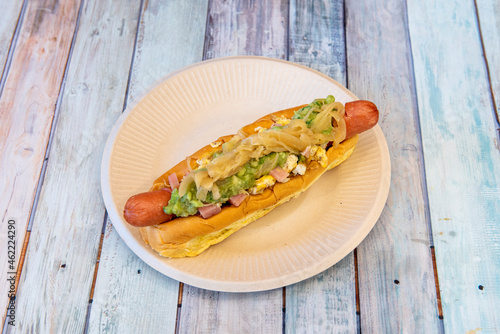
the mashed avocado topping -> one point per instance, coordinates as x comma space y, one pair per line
253, 175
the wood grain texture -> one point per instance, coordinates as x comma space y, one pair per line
126, 287
60, 260
317, 37
461, 161
27, 107
325, 303
161, 48
396, 280
238, 28
206, 311
170, 37
257, 28
11, 16
489, 23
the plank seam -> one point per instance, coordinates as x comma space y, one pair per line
287, 29
207, 35
94, 279
283, 311
179, 307
344, 16
12, 46
496, 116
418, 129
434, 265
129, 79
425, 192
356, 289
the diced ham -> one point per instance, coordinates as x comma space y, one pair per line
167, 190
209, 210
236, 200
173, 181
279, 174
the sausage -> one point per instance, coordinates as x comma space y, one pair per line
147, 208
359, 116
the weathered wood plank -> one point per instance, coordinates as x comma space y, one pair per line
317, 36
461, 160
206, 311
171, 36
238, 28
127, 287
396, 281
489, 21
124, 279
60, 260
247, 28
27, 106
11, 15
325, 303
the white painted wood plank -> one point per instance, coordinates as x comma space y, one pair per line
59, 267
462, 161
238, 28
206, 311
171, 36
121, 292
396, 281
325, 303
489, 22
130, 296
11, 12
27, 106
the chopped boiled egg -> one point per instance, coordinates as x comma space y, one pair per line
261, 184
317, 153
282, 120
300, 169
259, 129
203, 162
291, 162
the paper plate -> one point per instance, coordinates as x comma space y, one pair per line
202, 102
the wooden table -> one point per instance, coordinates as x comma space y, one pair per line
432, 262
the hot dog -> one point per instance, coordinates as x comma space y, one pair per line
175, 236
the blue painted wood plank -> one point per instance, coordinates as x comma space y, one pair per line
317, 37
461, 160
489, 24
125, 285
396, 279
325, 303
57, 276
